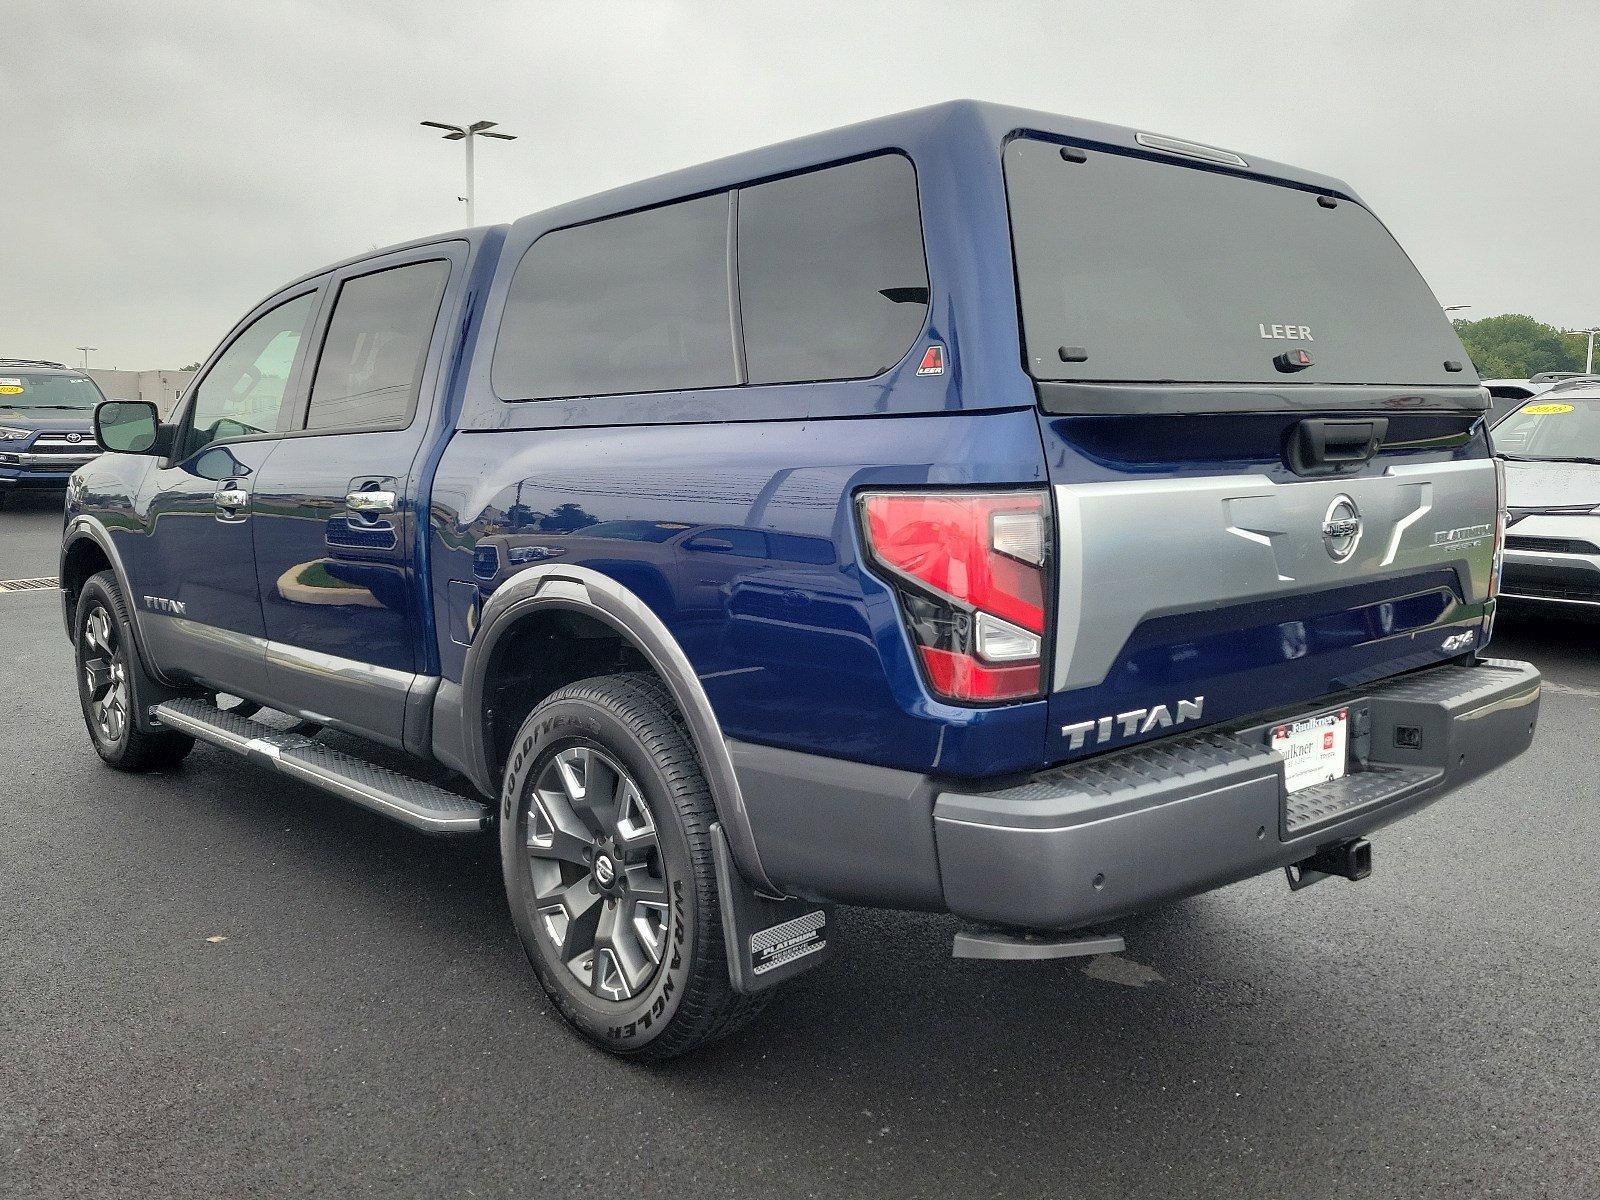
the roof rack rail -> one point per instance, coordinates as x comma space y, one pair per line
1572, 382
31, 362
1558, 376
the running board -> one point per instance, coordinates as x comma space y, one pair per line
388, 793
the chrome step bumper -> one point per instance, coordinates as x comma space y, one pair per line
389, 793
1078, 844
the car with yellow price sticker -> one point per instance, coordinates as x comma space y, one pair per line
1550, 446
46, 425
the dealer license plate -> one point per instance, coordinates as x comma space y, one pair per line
1314, 749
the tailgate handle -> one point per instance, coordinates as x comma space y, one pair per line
1321, 446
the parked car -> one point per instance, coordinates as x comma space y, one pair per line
1507, 395
1551, 450
858, 520
46, 424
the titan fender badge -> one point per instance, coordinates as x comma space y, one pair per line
932, 361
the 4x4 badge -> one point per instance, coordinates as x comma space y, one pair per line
1341, 528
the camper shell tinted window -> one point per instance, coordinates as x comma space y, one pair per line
831, 284
832, 279
1136, 269
636, 303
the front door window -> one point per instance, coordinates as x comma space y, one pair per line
242, 394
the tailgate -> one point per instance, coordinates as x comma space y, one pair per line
1206, 594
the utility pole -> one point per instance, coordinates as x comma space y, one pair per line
466, 133
86, 350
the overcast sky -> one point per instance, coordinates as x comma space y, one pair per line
169, 164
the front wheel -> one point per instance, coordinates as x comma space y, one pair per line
112, 685
605, 840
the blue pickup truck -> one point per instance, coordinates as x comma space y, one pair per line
974, 510
46, 425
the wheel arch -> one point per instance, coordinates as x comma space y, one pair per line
540, 593
86, 550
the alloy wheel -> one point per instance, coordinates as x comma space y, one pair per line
599, 880
105, 672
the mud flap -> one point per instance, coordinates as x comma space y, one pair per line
768, 941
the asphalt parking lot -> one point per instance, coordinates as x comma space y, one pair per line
217, 982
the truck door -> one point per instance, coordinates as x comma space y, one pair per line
337, 526
193, 578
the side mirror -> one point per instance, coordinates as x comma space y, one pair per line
127, 426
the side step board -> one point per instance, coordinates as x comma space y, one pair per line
389, 793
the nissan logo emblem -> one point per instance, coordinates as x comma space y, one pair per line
1341, 528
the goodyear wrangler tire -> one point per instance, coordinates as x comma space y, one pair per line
605, 844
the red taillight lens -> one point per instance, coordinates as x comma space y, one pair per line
970, 571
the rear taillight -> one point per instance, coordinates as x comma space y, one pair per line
970, 569
1500, 515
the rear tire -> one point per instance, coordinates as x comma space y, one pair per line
113, 687
605, 842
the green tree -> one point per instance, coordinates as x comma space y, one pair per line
1514, 346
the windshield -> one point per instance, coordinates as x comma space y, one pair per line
1551, 430
1132, 269
23, 389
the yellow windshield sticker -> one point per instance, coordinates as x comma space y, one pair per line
10, 389
1547, 410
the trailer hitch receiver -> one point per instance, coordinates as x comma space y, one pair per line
1350, 859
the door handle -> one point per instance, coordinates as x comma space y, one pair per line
231, 499
370, 502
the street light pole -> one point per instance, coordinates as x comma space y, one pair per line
1588, 362
86, 350
466, 133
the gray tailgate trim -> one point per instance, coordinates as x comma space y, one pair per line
1135, 550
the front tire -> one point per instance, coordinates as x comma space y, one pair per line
605, 841
113, 687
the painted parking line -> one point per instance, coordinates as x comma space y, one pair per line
1569, 689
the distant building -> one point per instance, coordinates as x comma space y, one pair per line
161, 388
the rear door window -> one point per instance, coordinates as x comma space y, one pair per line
1137, 269
636, 303
370, 369
833, 283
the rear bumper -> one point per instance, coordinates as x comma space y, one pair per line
1085, 843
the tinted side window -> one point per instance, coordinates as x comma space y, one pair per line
832, 279
242, 394
371, 364
636, 303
